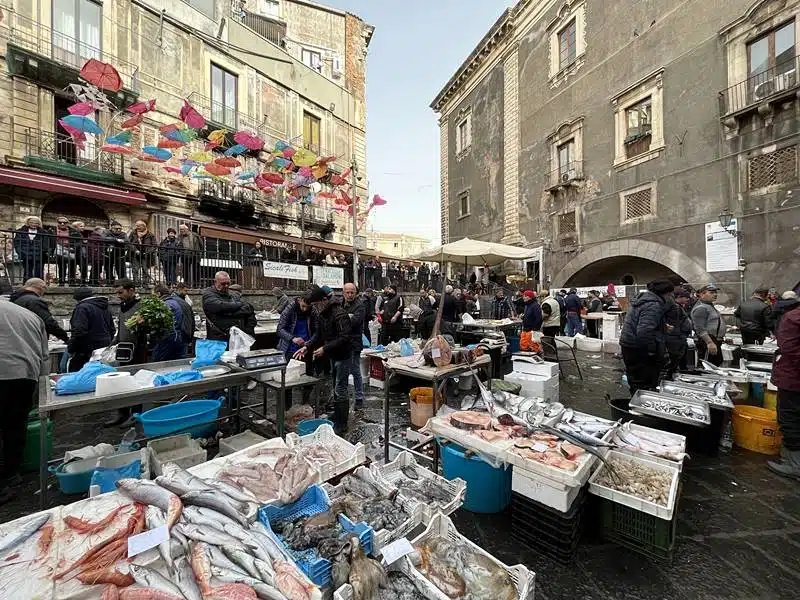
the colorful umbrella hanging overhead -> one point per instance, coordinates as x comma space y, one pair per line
81, 109
181, 135
122, 137
82, 123
151, 158
139, 108
164, 143
249, 140
191, 117
235, 150
101, 74
132, 122
228, 161
117, 149
159, 153
304, 158
378, 200
273, 178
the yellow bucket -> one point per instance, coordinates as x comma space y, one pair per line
771, 397
421, 404
756, 429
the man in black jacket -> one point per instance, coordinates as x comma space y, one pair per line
355, 309
756, 320
225, 309
332, 341
643, 337
91, 327
368, 299
30, 297
679, 328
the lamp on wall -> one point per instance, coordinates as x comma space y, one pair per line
725, 219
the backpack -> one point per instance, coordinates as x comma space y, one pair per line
187, 320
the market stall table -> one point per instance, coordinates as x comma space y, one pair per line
401, 366
89, 403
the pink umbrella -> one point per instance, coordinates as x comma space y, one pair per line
245, 138
101, 74
191, 117
170, 169
116, 149
76, 134
378, 201
142, 107
132, 122
263, 184
81, 109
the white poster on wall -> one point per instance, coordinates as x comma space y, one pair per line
285, 271
722, 247
333, 277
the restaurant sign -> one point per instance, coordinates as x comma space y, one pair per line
277, 244
285, 271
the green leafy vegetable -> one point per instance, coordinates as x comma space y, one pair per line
153, 317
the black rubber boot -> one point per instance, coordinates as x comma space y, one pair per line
341, 414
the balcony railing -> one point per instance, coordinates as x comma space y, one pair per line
781, 80
57, 152
564, 175
270, 29
32, 36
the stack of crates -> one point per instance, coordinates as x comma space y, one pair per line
554, 533
377, 374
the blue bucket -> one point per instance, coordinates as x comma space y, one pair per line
488, 488
190, 417
513, 343
72, 483
311, 425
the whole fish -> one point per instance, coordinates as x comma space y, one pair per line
243, 560
178, 473
146, 577
201, 565
268, 542
219, 503
180, 540
155, 518
290, 583
209, 535
584, 437
240, 495
262, 590
219, 559
147, 492
184, 577
231, 591
247, 539
338, 552
22, 532
199, 515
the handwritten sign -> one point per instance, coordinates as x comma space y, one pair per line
396, 550
331, 276
146, 540
285, 271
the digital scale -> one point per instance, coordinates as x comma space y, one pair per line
261, 359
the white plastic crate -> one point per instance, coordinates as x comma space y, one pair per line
533, 366
115, 461
496, 450
588, 344
546, 491
179, 449
240, 441
565, 339
376, 383
325, 436
679, 440
456, 489
424, 587
441, 525
662, 512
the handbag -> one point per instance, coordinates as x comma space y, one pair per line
64, 252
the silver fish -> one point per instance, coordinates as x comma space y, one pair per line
199, 515
250, 542
148, 492
184, 577
244, 560
209, 535
181, 540
146, 577
262, 590
21, 533
240, 495
155, 518
217, 502
218, 557
576, 432
267, 541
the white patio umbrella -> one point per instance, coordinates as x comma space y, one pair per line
474, 253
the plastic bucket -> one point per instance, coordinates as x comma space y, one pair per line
180, 416
756, 393
513, 343
420, 400
756, 429
30, 461
311, 425
771, 397
72, 483
488, 488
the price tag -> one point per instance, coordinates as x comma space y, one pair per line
436, 353
396, 550
146, 540
540, 447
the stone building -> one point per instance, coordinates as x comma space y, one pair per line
286, 70
617, 136
398, 245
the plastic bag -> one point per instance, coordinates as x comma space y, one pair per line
527, 342
207, 352
467, 319
239, 341
176, 377
83, 381
364, 341
107, 478
406, 347
107, 355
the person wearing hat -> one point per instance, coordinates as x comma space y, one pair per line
574, 305
281, 300
91, 327
30, 297
679, 328
643, 337
532, 313
392, 315
787, 302
709, 328
755, 317
595, 305
332, 342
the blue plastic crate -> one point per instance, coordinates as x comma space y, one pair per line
313, 501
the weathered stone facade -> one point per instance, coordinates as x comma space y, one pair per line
606, 198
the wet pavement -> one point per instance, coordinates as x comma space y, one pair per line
738, 530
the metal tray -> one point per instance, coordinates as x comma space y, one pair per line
643, 395
214, 370
709, 394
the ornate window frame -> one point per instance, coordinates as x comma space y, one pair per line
571, 9
653, 86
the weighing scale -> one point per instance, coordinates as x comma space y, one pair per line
261, 359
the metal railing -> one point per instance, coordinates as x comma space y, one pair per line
270, 29
776, 81
564, 174
44, 41
224, 115
61, 147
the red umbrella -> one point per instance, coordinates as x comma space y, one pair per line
81, 109
142, 107
170, 144
228, 161
264, 184
210, 146
132, 122
116, 149
271, 177
327, 195
216, 169
150, 158
345, 199
76, 133
245, 138
337, 180
288, 152
169, 169
191, 117
164, 129
101, 74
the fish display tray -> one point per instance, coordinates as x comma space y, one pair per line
679, 440
642, 395
462, 437
706, 393
313, 501
325, 436
240, 441
456, 489
424, 587
179, 449
634, 502
441, 525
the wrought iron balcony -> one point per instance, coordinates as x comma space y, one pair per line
40, 54
228, 201
58, 153
564, 175
772, 85
268, 28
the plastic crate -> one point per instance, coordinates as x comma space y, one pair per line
314, 501
550, 532
376, 368
240, 441
116, 461
179, 449
424, 587
554, 494
563, 552
455, 489
637, 530
523, 578
325, 436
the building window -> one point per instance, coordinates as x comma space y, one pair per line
271, 8
77, 30
224, 90
207, 7
463, 204
464, 134
566, 157
639, 118
312, 58
773, 168
567, 50
566, 150
311, 128
638, 203
567, 229
774, 50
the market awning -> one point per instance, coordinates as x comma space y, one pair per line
72, 187
475, 253
250, 237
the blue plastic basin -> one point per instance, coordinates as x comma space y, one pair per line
191, 416
72, 483
488, 488
311, 425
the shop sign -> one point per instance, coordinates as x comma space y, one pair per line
277, 244
285, 271
331, 276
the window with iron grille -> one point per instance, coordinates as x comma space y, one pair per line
638, 204
773, 168
567, 228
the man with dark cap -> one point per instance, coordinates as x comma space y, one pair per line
708, 325
91, 327
392, 315
643, 335
30, 297
332, 342
281, 300
574, 305
174, 345
679, 328
755, 317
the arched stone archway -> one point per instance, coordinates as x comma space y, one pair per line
683, 265
75, 209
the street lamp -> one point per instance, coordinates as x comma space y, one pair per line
725, 219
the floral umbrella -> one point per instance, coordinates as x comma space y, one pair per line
191, 117
250, 140
101, 74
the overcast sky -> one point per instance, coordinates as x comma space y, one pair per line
417, 46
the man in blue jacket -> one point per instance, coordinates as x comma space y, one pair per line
532, 316
175, 344
574, 305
